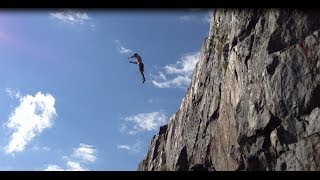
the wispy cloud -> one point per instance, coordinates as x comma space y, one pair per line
179, 73
187, 17
13, 93
121, 48
177, 82
33, 115
73, 17
207, 18
196, 15
81, 155
126, 147
135, 148
155, 100
37, 148
143, 122
70, 166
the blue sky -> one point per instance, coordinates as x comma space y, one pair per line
70, 99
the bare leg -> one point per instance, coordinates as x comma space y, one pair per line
144, 79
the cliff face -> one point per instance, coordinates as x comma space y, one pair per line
254, 99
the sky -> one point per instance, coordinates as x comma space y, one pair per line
69, 98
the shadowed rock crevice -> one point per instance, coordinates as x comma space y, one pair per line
272, 67
314, 101
183, 163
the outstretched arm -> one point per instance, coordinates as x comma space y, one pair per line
134, 62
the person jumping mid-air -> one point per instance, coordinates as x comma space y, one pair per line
141, 65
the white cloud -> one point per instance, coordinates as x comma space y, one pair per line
30, 119
145, 122
135, 148
75, 166
80, 155
180, 72
85, 153
122, 49
185, 66
53, 168
71, 166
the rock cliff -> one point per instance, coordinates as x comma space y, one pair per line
254, 99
